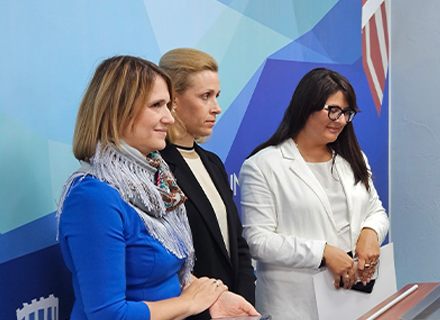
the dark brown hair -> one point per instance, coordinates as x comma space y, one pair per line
310, 96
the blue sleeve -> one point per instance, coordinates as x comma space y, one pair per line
92, 227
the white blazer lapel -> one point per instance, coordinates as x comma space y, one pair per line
290, 151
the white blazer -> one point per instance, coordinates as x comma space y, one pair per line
287, 220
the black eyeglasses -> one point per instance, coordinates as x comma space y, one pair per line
335, 112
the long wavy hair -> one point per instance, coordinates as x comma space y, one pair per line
310, 96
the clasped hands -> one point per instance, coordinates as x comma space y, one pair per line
342, 266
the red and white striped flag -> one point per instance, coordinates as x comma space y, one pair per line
375, 46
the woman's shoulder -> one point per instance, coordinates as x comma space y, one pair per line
93, 206
89, 186
211, 155
201, 149
340, 160
265, 155
88, 193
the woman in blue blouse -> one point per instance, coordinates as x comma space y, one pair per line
123, 229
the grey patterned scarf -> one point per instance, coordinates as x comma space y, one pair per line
133, 177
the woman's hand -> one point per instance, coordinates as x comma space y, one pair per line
202, 293
340, 265
367, 252
230, 305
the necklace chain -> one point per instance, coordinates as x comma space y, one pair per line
297, 146
302, 155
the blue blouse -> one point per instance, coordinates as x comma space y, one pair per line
115, 263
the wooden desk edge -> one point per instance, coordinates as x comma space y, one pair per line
404, 305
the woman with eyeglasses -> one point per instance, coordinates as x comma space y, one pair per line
308, 199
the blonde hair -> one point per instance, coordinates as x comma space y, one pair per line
180, 64
109, 105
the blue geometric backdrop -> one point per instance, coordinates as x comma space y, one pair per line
51, 48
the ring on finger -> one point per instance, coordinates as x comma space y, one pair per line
367, 265
373, 263
216, 283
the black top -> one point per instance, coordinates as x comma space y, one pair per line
212, 259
